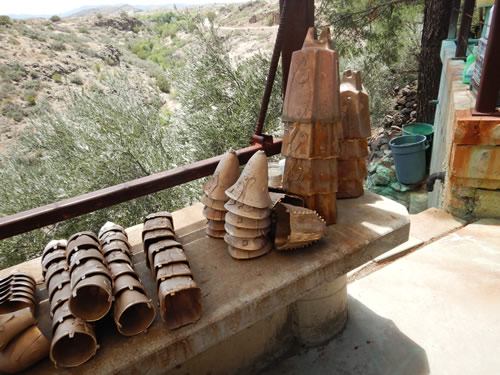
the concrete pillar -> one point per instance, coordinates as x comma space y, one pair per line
322, 314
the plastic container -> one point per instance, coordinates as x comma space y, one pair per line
420, 128
409, 157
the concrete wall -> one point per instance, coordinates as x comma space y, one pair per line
466, 147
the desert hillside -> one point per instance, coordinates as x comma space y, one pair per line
43, 60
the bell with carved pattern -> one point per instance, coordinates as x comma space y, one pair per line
356, 129
313, 125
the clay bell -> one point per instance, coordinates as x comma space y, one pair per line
24, 350
17, 291
225, 176
251, 188
356, 130
296, 227
73, 343
11, 324
180, 301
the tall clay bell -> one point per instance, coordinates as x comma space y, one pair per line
252, 186
225, 175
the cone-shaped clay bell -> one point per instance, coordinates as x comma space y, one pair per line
225, 175
245, 232
13, 323
24, 350
252, 186
247, 223
296, 227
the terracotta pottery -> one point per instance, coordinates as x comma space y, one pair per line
73, 343
296, 227
213, 214
244, 210
150, 238
161, 214
118, 256
133, 312
215, 233
245, 254
53, 257
80, 243
116, 236
17, 303
157, 223
247, 244
61, 313
172, 270
116, 246
126, 282
59, 297
82, 256
81, 234
244, 232
23, 351
168, 256
91, 298
11, 324
252, 185
57, 281
216, 225
118, 269
213, 203
180, 301
225, 175
158, 246
89, 268
245, 222
109, 228
55, 268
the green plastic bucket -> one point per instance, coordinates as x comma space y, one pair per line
421, 128
409, 157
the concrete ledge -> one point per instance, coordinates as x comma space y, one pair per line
239, 294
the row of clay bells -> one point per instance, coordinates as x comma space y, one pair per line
22, 344
133, 311
179, 296
67, 330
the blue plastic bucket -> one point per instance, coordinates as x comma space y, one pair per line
409, 157
421, 128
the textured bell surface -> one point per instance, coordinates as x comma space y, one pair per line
353, 148
252, 186
310, 176
249, 244
350, 189
160, 214
283, 197
213, 203
247, 211
110, 228
126, 281
225, 175
245, 254
296, 227
172, 270
248, 223
312, 92
352, 169
311, 140
118, 269
245, 232
159, 246
355, 106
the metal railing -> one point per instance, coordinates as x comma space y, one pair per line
69, 208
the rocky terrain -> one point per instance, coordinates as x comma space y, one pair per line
43, 60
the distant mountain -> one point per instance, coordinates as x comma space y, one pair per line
105, 10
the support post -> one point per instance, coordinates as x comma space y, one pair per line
463, 33
489, 86
455, 10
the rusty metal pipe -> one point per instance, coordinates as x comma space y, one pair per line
489, 86
272, 68
463, 33
69, 208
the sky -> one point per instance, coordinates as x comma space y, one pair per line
48, 7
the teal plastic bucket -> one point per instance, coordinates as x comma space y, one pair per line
421, 128
409, 157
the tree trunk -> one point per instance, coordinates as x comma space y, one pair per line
436, 23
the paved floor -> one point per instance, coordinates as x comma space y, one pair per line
436, 310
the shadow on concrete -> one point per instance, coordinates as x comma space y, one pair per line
369, 345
